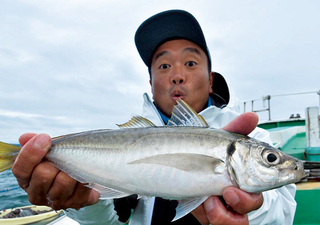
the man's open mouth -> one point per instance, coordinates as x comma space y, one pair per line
176, 94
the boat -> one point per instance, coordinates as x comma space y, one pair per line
28, 214
298, 137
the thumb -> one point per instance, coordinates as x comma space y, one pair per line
243, 124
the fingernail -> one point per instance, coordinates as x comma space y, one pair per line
209, 204
231, 197
42, 141
49, 201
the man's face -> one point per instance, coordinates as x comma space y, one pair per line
179, 69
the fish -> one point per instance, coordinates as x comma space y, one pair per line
185, 160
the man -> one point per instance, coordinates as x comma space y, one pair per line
174, 49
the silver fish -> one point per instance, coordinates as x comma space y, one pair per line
185, 160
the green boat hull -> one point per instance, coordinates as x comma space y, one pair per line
308, 204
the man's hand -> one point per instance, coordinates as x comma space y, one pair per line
239, 202
44, 183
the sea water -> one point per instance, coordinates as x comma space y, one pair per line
11, 195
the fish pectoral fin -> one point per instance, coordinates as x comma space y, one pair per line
185, 206
189, 162
107, 193
136, 122
184, 115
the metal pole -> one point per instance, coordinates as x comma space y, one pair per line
319, 97
269, 109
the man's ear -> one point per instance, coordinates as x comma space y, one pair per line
211, 78
150, 82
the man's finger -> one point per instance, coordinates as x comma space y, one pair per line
30, 155
201, 215
243, 124
217, 213
40, 183
62, 189
23, 139
82, 196
241, 201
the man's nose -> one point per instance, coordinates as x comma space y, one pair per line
178, 76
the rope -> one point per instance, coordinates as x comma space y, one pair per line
280, 95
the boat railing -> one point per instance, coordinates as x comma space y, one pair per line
266, 103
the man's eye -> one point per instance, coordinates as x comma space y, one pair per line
191, 63
164, 66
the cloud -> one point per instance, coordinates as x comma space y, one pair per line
52, 34
23, 115
69, 66
12, 57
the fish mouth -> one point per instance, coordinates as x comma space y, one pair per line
306, 174
177, 94
299, 168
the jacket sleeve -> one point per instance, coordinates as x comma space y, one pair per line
100, 213
279, 205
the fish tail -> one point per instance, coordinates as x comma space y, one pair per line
8, 153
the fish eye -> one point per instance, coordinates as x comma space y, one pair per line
271, 158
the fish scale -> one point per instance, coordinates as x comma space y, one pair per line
135, 149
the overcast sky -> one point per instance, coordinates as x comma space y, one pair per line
69, 66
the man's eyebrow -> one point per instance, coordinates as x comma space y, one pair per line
161, 54
194, 50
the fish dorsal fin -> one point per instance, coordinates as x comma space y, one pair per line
136, 122
184, 115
